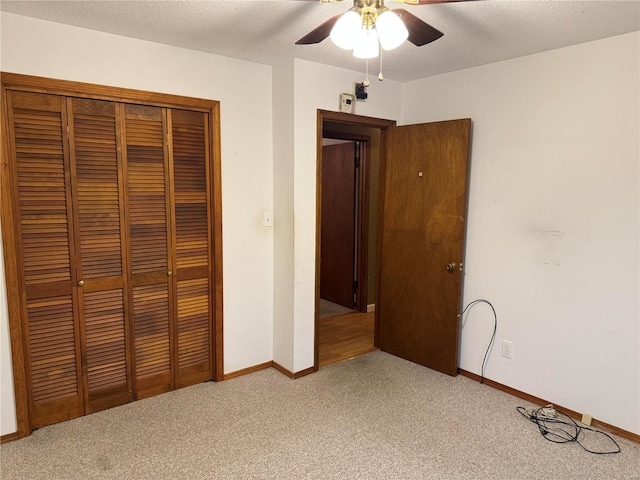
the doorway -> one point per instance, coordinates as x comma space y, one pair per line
348, 175
420, 240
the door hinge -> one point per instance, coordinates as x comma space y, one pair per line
357, 156
355, 286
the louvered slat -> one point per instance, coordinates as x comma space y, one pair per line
147, 194
37, 133
192, 249
147, 171
193, 323
151, 318
105, 340
191, 235
53, 370
97, 192
42, 195
97, 199
190, 189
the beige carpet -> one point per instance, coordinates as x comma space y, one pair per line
374, 417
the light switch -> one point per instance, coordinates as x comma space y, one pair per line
267, 220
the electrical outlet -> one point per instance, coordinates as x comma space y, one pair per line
507, 349
586, 419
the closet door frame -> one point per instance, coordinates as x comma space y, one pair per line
10, 237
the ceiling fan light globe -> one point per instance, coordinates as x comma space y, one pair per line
392, 31
346, 30
367, 45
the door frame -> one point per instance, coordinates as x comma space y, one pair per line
347, 119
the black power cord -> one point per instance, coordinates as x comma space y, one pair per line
558, 427
493, 336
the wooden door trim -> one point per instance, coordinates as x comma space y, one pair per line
363, 227
347, 119
11, 239
351, 119
12, 279
29, 83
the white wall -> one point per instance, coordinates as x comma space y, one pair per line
283, 168
36, 47
319, 87
553, 223
7, 403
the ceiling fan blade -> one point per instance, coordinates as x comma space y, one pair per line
319, 33
413, 3
420, 33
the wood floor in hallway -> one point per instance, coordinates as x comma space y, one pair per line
345, 336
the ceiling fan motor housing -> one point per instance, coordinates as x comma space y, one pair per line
369, 10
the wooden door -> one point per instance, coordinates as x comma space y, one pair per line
111, 234
98, 201
191, 187
43, 222
149, 216
422, 232
337, 241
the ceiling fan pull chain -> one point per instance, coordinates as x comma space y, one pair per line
380, 76
366, 77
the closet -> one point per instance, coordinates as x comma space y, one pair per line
113, 214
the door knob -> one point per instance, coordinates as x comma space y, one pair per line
81, 283
169, 273
451, 267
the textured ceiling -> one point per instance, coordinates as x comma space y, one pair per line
475, 33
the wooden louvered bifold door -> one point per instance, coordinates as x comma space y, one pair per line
108, 216
99, 208
149, 216
37, 125
191, 191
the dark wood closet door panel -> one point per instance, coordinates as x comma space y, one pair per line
97, 188
55, 395
152, 341
191, 188
110, 301
106, 359
146, 177
194, 345
98, 199
37, 127
149, 226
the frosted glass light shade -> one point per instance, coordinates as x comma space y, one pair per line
391, 30
346, 30
367, 45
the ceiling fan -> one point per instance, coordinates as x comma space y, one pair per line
371, 11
